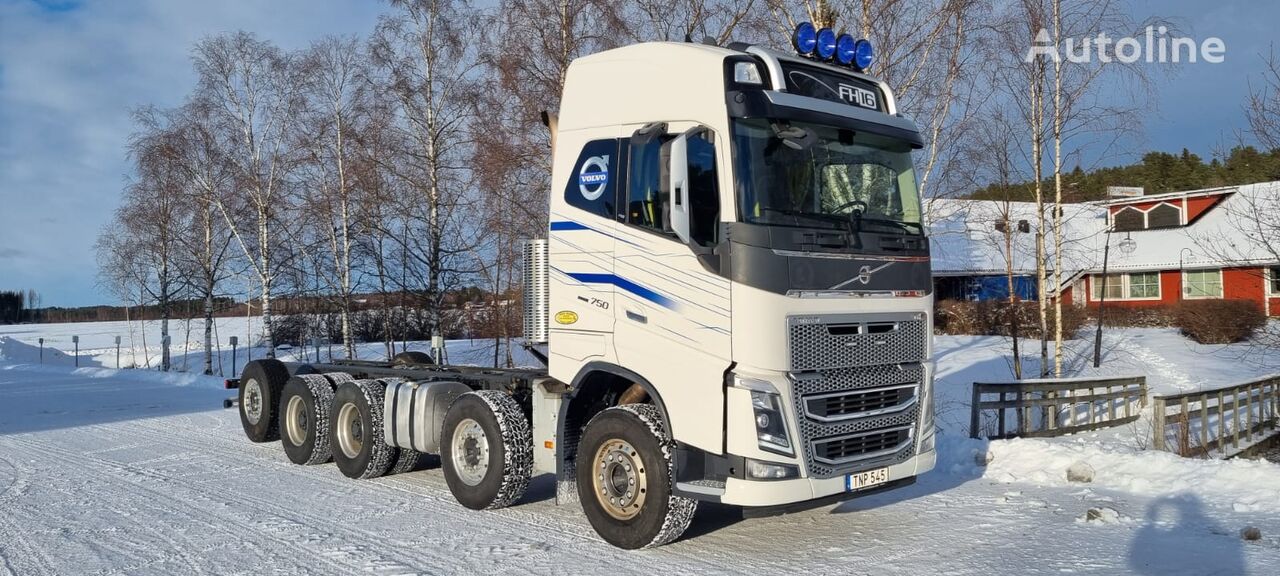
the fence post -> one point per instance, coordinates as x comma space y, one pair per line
1000, 416
1248, 412
1157, 427
41, 350
234, 341
1204, 423
975, 410
76, 340
1235, 419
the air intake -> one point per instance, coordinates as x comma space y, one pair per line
537, 303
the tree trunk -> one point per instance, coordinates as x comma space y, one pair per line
1057, 199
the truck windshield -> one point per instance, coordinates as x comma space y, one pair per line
801, 174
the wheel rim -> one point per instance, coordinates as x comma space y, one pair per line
296, 421
252, 401
470, 450
619, 479
350, 430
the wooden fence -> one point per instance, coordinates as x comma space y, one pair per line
1220, 419
1055, 407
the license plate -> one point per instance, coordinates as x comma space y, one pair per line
867, 479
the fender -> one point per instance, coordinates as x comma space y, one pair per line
621, 372
567, 440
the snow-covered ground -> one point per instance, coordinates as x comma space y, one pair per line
137, 472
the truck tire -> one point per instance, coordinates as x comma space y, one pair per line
355, 430
304, 419
259, 398
625, 479
486, 450
412, 358
336, 378
406, 461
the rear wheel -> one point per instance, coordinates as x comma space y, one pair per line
356, 430
306, 402
259, 398
625, 479
487, 456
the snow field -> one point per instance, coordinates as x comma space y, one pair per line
138, 472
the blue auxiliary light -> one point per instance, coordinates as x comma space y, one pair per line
826, 44
845, 49
862, 54
805, 38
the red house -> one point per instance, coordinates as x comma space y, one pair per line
1218, 243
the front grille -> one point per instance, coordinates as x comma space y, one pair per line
861, 446
855, 383
856, 343
859, 403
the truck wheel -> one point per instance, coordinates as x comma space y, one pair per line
412, 358
406, 461
487, 452
625, 479
260, 386
355, 430
304, 420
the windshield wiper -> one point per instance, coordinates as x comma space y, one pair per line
904, 226
832, 218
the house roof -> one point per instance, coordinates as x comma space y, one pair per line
964, 238
965, 241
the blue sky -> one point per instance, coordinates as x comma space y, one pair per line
71, 71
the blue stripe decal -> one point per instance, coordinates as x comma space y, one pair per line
567, 225
624, 284
570, 225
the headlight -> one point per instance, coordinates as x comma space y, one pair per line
771, 426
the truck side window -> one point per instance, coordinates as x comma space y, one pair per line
647, 193
704, 195
593, 183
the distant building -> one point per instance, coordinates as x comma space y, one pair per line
1165, 248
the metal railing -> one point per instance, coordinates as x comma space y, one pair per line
1050, 407
1221, 422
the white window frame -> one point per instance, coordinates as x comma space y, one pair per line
1222, 288
1097, 282
1270, 278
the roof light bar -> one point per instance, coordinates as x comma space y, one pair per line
825, 45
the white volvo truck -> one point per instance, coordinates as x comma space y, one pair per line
733, 303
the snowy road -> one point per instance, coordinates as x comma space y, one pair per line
130, 473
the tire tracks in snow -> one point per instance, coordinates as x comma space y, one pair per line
270, 524
564, 528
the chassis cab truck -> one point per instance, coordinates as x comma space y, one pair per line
733, 303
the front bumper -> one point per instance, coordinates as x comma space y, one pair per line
750, 492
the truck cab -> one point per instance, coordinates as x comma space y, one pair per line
738, 232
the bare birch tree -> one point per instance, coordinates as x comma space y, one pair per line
253, 89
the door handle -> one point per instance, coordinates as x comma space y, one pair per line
637, 317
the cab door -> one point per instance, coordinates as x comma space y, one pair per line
672, 321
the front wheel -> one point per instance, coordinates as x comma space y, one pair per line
625, 479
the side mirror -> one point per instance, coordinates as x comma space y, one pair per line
678, 181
